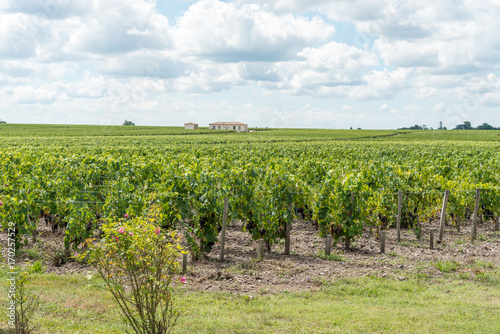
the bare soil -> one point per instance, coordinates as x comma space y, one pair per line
307, 268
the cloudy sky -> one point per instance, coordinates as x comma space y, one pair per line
277, 63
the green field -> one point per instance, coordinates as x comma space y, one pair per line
44, 130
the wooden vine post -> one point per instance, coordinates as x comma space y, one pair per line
443, 215
382, 241
287, 230
476, 213
260, 249
184, 262
420, 236
398, 221
328, 244
431, 239
223, 232
497, 224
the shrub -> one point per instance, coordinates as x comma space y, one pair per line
33, 254
26, 304
37, 268
59, 257
137, 261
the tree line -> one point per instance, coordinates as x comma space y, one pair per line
465, 126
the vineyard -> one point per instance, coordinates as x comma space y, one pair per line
320, 224
340, 181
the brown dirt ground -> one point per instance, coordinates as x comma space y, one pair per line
306, 269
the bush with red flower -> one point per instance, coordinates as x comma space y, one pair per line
138, 262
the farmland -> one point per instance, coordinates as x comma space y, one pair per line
345, 183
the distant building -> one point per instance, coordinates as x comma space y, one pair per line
190, 126
236, 126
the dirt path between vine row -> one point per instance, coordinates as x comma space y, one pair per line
306, 268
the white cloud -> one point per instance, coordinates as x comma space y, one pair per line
332, 68
382, 84
405, 54
426, 92
52, 9
20, 34
44, 94
245, 33
383, 108
348, 108
209, 78
143, 63
120, 27
440, 107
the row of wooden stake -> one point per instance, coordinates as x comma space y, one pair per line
382, 233
442, 220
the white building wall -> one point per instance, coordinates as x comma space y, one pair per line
190, 126
232, 127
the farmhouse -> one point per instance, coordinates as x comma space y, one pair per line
190, 126
237, 126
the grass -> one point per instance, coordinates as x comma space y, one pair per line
331, 257
447, 266
73, 304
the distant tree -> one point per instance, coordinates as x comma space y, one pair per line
2, 121
485, 126
465, 126
416, 127
468, 126
128, 123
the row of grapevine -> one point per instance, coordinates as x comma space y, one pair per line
80, 183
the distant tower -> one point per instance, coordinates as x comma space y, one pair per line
441, 125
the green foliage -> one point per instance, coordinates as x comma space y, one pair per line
59, 257
37, 268
33, 253
83, 182
414, 127
486, 126
130, 123
137, 260
331, 257
447, 266
482, 276
467, 126
26, 304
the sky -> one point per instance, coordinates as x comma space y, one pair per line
330, 64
